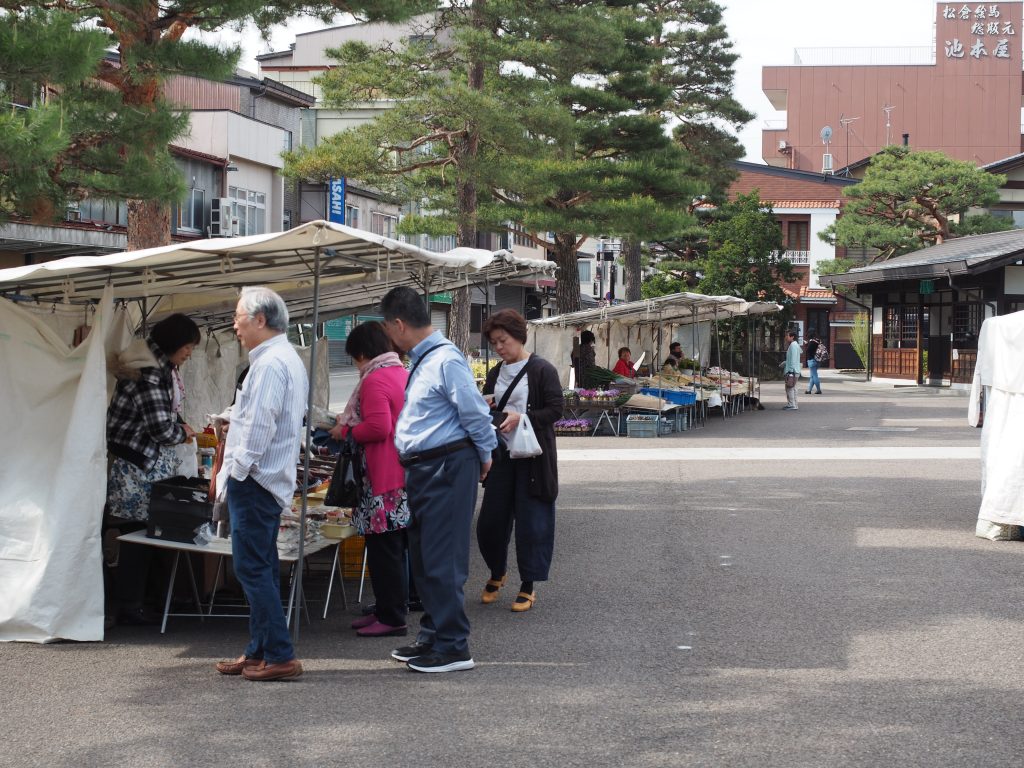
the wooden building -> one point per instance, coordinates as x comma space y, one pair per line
927, 307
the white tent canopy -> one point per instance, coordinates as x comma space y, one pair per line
202, 277
55, 501
646, 325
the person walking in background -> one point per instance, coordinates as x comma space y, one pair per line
444, 438
624, 365
382, 514
791, 369
812, 365
143, 432
519, 493
258, 477
815, 353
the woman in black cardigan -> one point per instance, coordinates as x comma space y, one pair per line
519, 493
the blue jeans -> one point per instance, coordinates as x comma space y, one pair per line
255, 517
815, 382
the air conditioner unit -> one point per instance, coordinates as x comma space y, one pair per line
220, 217
826, 163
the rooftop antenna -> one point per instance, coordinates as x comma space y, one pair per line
845, 122
826, 139
888, 108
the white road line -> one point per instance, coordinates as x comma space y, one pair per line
850, 453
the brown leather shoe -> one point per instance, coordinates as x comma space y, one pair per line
235, 667
284, 670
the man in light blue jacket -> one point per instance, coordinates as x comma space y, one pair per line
791, 371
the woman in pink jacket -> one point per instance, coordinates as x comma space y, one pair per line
382, 514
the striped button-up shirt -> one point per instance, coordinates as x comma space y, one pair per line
266, 422
442, 403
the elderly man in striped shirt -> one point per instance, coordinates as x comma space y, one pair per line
259, 476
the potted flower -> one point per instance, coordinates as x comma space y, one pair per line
572, 427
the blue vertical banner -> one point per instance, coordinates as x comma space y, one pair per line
336, 201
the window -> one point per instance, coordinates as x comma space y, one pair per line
384, 224
352, 216
250, 208
899, 329
798, 236
967, 317
520, 237
287, 141
584, 269
192, 211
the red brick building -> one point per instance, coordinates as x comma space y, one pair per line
962, 98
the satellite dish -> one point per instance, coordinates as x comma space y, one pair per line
639, 361
826, 134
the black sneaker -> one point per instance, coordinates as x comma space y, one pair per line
407, 652
435, 661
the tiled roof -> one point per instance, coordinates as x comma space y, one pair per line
805, 203
959, 256
810, 295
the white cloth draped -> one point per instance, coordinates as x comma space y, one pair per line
999, 375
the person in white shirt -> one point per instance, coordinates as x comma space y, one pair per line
259, 477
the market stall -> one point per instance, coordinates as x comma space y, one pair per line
54, 391
648, 327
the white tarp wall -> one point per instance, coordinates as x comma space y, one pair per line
51, 500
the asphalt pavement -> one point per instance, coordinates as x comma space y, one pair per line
776, 589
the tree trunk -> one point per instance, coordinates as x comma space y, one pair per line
149, 224
466, 200
567, 292
458, 321
632, 273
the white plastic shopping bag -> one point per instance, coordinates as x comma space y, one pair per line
522, 443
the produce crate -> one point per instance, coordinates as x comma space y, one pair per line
675, 396
352, 557
642, 425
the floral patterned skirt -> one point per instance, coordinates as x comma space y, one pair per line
128, 487
379, 514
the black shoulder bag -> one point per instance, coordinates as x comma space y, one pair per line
347, 481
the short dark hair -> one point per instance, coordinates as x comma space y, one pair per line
587, 337
509, 321
623, 349
174, 332
367, 341
675, 345
403, 303
792, 332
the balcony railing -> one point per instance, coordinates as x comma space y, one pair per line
799, 258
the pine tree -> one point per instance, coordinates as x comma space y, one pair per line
599, 159
696, 63
429, 147
133, 120
909, 199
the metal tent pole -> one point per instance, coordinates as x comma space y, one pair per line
305, 464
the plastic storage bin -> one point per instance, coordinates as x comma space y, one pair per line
675, 396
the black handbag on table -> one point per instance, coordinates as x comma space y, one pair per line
347, 482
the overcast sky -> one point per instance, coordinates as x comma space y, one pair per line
764, 32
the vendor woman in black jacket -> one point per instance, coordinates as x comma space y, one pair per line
519, 493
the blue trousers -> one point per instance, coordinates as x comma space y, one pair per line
255, 517
815, 382
508, 504
442, 497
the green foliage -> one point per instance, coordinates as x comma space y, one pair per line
906, 201
860, 337
745, 253
836, 266
92, 126
981, 224
507, 111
